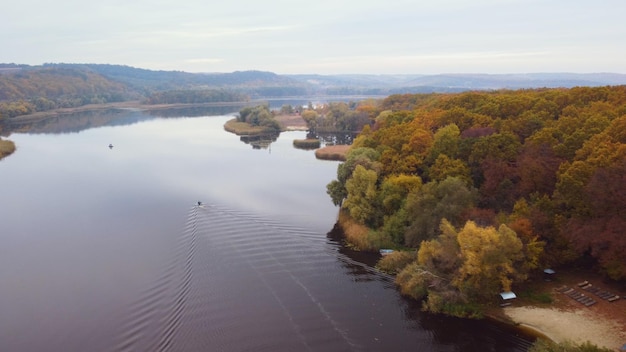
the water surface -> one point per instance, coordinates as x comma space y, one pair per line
106, 249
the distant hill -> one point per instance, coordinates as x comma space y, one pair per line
52, 87
459, 82
25, 89
254, 83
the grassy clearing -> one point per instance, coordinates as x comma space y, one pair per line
6, 148
309, 143
535, 297
333, 152
243, 128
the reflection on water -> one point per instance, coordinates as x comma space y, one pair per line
76, 122
198, 111
329, 138
80, 121
260, 141
106, 249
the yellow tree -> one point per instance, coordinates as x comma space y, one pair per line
489, 256
445, 167
394, 190
441, 255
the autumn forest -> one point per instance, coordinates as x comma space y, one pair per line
476, 191
489, 186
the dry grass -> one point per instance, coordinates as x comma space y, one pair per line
6, 148
357, 235
333, 152
309, 143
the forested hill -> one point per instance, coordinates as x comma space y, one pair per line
524, 179
23, 89
26, 89
252, 82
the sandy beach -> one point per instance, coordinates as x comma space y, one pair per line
579, 325
602, 324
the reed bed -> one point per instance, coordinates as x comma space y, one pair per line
332, 152
309, 143
6, 148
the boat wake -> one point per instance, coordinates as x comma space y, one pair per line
237, 282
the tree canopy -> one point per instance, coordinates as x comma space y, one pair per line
547, 164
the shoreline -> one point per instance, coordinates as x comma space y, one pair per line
132, 104
565, 319
578, 325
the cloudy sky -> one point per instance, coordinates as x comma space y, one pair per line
321, 36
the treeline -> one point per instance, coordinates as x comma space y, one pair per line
338, 116
490, 186
26, 90
196, 96
259, 116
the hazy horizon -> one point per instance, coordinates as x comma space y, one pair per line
325, 37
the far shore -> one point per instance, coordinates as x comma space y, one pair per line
131, 105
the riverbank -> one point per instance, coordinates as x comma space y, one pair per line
134, 105
579, 325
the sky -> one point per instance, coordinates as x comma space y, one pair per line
321, 36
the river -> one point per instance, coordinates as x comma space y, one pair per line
106, 248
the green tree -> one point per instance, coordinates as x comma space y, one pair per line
445, 142
432, 203
286, 109
311, 118
366, 157
361, 195
394, 190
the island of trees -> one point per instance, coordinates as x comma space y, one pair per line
477, 191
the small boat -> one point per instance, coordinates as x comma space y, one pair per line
110, 146
385, 252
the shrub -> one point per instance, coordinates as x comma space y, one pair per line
394, 263
451, 303
308, 143
412, 282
